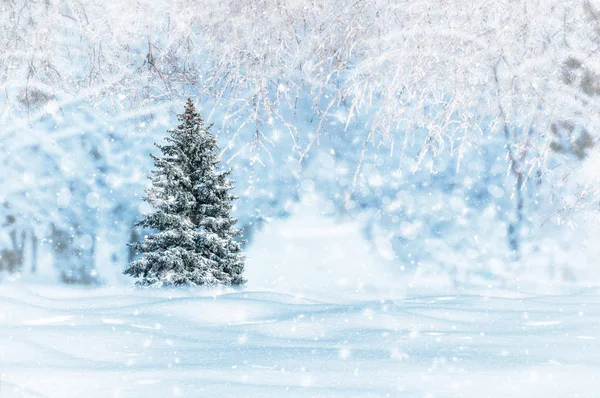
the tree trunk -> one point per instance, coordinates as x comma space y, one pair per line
514, 227
34, 253
134, 236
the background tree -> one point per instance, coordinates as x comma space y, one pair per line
431, 81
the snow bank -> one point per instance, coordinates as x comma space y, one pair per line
60, 342
310, 252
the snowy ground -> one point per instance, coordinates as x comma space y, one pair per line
322, 316
140, 343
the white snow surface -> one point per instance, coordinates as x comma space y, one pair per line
309, 251
321, 316
126, 342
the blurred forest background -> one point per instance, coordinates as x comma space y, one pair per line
460, 135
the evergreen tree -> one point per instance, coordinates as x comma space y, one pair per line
196, 242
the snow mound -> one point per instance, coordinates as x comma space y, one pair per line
312, 252
66, 342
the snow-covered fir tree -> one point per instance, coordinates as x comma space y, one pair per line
195, 242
